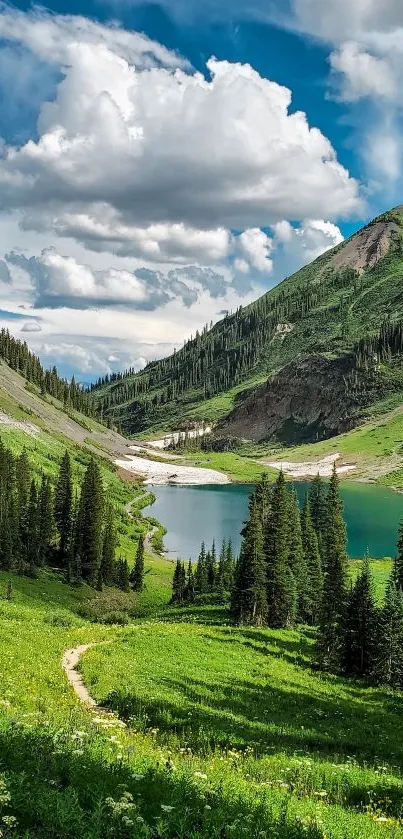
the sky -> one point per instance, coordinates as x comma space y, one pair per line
162, 163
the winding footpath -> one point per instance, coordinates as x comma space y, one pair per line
70, 661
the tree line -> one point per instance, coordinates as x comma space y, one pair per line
293, 569
19, 357
220, 356
212, 577
63, 525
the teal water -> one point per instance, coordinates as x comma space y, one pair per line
193, 514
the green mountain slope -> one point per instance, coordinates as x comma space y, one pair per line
322, 310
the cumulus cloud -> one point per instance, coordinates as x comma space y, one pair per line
52, 38
256, 247
363, 75
298, 246
153, 155
62, 282
31, 326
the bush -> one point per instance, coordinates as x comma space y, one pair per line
58, 619
121, 618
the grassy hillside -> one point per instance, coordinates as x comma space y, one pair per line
325, 309
230, 731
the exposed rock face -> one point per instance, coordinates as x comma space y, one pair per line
308, 400
368, 246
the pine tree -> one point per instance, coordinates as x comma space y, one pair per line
297, 560
281, 589
201, 572
317, 500
137, 574
388, 666
32, 531
123, 575
45, 521
361, 625
63, 507
178, 583
88, 537
211, 567
23, 473
189, 593
335, 587
249, 601
314, 566
108, 548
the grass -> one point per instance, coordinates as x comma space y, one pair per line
230, 732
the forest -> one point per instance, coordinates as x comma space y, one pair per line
293, 570
61, 526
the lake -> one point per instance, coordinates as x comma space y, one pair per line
193, 514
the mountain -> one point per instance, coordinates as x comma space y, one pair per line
324, 327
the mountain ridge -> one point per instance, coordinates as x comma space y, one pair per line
323, 309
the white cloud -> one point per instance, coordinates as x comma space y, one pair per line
257, 247
156, 147
53, 38
31, 326
298, 246
363, 75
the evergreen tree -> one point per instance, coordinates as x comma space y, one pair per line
137, 574
189, 593
314, 566
32, 531
63, 507
318, 507
335, 588
108, 548
45, 521
281, 588
23, 474
211, 567
201, 572
88, 537
249, 600
123, 575
179, 583
361, 625
388, 665
297, 560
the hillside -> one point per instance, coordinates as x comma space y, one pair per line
324, 310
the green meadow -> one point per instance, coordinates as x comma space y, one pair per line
218, 730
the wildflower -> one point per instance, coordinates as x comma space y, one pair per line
138, 777
200, 775
207, 807
167, 808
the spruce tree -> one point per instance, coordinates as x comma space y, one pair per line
189, 593
201, 572
360, 625
45, 521
32, 531
318, 506
314, 565
297, 560
178, 583
88, 537
388, 664
63, 507
211, 567
281, 588
335, 584
249, 600
137, 574
123, 575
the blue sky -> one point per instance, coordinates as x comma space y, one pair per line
164, 162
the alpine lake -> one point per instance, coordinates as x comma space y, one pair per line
192, 514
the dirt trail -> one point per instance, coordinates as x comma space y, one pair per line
70, 661
148, 545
